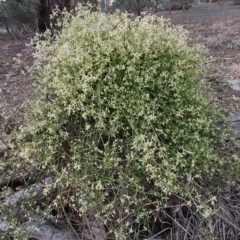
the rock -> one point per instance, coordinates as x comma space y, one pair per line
45, 231
39, 229
31, 193
36, 225
93, 229
233, 126
234, 84
234, 117
3, 226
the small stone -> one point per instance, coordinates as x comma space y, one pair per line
234, 117
234, 84
233, 129
3, 225
8, 76
235, 134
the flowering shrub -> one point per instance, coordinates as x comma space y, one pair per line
120, 120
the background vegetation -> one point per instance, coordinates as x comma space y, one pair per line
17, 16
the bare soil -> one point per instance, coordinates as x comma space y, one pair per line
15, 85
203, 12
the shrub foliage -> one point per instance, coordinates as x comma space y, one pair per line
121, 120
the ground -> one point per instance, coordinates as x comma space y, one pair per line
204, 13
15, 85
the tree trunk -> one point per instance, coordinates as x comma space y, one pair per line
106, 6
170, 11
138, 8
96, 4
44, 9
154, 6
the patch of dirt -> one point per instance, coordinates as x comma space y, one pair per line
203, 12
15, 85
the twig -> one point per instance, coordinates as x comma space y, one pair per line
4, 142
179, 225
152, 238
